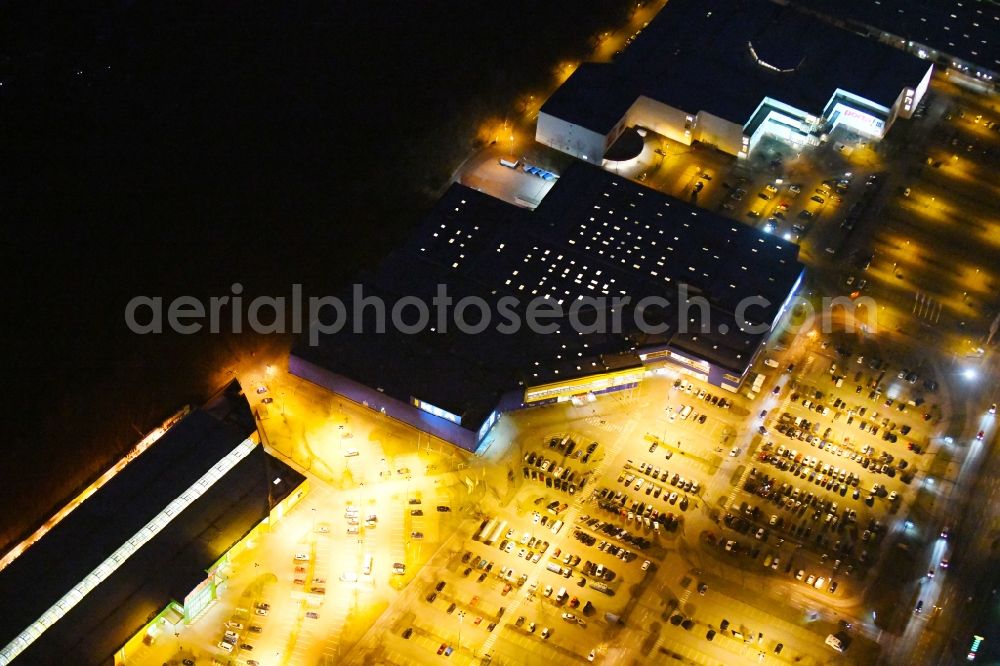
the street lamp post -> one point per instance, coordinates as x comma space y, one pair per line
461, 617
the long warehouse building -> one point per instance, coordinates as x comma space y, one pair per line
148, 548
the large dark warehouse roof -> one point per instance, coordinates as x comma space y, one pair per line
167, 566
702, 55
595, 234
966, 29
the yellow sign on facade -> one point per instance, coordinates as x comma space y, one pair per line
582, 385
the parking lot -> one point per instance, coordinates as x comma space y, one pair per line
676, 520
680, 520
619, 547
836, 463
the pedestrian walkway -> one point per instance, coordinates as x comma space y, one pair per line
925, 307
598, 422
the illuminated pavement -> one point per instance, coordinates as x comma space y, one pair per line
933, 289
740, 596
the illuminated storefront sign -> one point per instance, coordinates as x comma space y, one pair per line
666, 354
698, 366
859, 120
581, 385
699, 369
977, 642
436, 411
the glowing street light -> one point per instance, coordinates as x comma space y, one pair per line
969, 374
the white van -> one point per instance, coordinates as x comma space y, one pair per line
367, 570
556, 526
349, 577
771, 363
684, 413
510, 164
